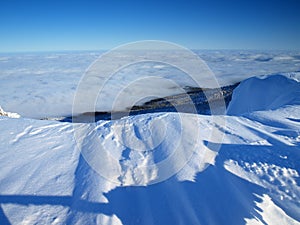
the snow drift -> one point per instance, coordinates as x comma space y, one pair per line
47, 177
264, 93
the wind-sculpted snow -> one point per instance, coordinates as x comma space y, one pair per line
264, 93
109, 172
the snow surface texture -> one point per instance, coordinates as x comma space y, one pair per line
280, 91
253, 179
43, 84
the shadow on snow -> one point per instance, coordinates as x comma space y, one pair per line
216, 197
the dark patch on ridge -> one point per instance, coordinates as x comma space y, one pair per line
201, 98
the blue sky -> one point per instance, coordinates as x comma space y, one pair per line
50, 25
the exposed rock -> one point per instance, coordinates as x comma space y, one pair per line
195, 100
9, 114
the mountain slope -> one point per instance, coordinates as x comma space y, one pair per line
163, 168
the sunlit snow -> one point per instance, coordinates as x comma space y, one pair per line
240, 168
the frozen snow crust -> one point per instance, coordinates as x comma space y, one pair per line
264, 93
254, 177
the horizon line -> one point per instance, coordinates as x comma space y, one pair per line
105, 50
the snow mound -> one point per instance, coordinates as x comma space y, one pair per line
9, 114
46, 179
264, 93
146, 149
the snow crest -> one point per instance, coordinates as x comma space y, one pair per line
264, 93
254, 178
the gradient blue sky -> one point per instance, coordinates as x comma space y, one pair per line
50, 25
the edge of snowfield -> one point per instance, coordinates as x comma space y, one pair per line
253, 178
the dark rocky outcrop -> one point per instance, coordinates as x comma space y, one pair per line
195, 100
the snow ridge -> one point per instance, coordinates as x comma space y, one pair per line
48, 176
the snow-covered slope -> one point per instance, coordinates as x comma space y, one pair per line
226, 169
263, 94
